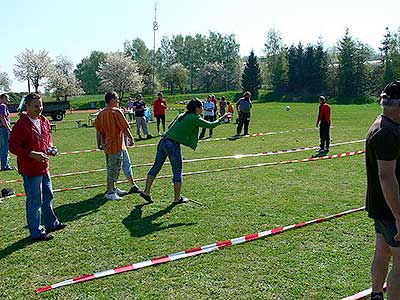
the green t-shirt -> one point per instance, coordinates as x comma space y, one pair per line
186, 131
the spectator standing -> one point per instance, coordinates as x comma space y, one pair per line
139, 107
383, 197
209, 115
222, 106
243, 106
159, 108
5, 130
324, 122
215, 101
183, 130
130, 109
32, 143
112, 126
231, 111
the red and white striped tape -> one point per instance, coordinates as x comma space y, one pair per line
236, 156
346, 154
362, 295
207, 140
192, 252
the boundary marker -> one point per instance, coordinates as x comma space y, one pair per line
339, 155
192, 252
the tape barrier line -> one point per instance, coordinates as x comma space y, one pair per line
193, 252
237, 156
340, 155
207, 140
363, 294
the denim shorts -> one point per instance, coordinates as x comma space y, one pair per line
171, 149
388, 229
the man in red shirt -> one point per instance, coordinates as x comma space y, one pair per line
159, 108
324, 122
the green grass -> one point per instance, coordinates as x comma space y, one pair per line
329, 260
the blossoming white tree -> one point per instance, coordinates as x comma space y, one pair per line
120, 73
32, 66
61, 79
5, 82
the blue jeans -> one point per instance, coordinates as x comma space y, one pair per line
172, 150
4, 137
39, 200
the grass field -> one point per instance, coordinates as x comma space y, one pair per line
329, 260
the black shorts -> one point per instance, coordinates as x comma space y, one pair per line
160, 118
388, 229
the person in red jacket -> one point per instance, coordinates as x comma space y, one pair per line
31, 142
159, 108
324, 122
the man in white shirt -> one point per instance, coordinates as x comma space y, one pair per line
209, 115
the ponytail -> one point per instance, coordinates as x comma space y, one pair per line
191, 107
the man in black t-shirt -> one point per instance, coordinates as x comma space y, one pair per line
139, 107
383, 197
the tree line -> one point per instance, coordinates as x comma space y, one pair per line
350, 71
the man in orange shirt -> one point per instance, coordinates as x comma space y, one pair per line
111, 126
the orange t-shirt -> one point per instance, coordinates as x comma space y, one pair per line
111, 123
231, 108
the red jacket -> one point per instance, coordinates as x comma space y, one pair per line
25, 138
324, 113
158, 109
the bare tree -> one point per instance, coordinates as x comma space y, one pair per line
32, 67
120, 73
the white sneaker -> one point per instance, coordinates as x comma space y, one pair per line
113, 196
120, 192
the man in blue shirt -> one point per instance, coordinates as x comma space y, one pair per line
243, 106
5, 129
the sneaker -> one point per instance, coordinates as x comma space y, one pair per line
57, 228
120, 192
8, 169
149, 136
146, 197
43, 237
113, 196
134, 190
181, 200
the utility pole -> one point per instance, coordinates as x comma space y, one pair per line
155, 28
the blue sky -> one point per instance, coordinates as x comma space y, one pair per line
74, 28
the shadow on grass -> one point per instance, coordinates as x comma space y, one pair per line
66, 213
21, 244
140, 227
74, 211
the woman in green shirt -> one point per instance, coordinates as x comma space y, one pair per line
183, 130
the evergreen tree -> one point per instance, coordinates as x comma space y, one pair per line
251, 78
352, 73
295, 58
